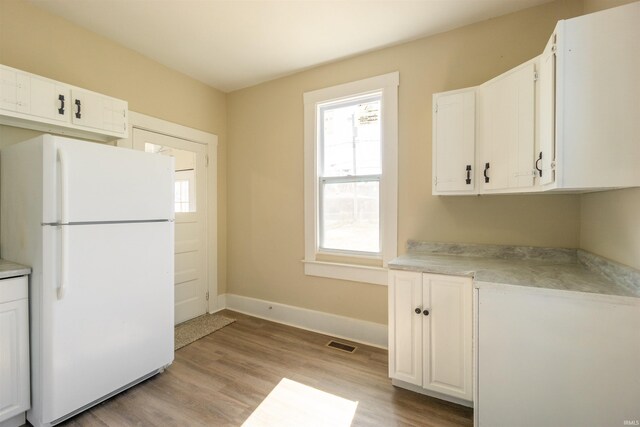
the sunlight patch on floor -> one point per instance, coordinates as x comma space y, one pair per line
291, 404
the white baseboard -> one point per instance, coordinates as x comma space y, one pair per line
361, 331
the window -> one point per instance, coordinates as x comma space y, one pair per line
351, 179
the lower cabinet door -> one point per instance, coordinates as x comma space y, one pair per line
14, 358
447, 335
405, 326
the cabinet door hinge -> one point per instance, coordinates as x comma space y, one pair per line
206, 160
207, 295
535, 76
435, 108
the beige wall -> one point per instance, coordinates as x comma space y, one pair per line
41, 43
265, 174
610, 220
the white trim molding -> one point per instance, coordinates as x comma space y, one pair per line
361, 331
387, 84
355, 273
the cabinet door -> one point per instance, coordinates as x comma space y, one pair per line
507, 123
14, 355
49, 99
454, 142
96, 111
546, 155
446, 335
14, 90
405, 326
90, 109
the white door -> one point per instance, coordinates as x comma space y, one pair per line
454, 141
446, 334
191, 280
405, 326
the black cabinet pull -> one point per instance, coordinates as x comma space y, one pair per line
468, 180
486, 168
79, 111
537, 168
417, 310
425, 312
61, 109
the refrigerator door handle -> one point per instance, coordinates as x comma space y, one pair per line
64, 261
64, 228
64, 186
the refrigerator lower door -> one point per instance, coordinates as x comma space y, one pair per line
114, 322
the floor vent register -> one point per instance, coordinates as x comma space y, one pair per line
341, 346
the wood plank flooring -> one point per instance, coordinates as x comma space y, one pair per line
221, 379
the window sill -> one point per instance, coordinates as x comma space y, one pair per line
352, 272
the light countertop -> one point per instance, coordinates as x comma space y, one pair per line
555, 269
10, 269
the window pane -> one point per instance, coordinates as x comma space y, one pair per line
350, 138
350, 216
185, 177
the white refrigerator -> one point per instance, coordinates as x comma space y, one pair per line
95, 223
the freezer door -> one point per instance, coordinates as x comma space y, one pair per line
114, 322
90, 182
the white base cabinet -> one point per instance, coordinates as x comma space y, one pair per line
556, 358
14, 351
430, 334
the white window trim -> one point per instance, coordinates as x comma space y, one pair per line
388, 84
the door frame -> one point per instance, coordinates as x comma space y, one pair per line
152, 124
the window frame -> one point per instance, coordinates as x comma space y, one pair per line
354, 266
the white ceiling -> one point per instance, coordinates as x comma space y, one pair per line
231, 44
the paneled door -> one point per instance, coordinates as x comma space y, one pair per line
191, 289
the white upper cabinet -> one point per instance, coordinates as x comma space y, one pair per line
597, 108
506, 129
568, 120
454, 142
35, 102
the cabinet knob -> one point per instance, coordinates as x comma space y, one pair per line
425, 312
418, 310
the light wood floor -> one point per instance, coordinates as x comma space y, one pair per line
220, 380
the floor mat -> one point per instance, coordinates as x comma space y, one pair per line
194, 329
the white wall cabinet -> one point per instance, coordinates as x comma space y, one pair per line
556, 358
454, 142
34, 102
566, 120
14, 351
430, 334
589, 127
